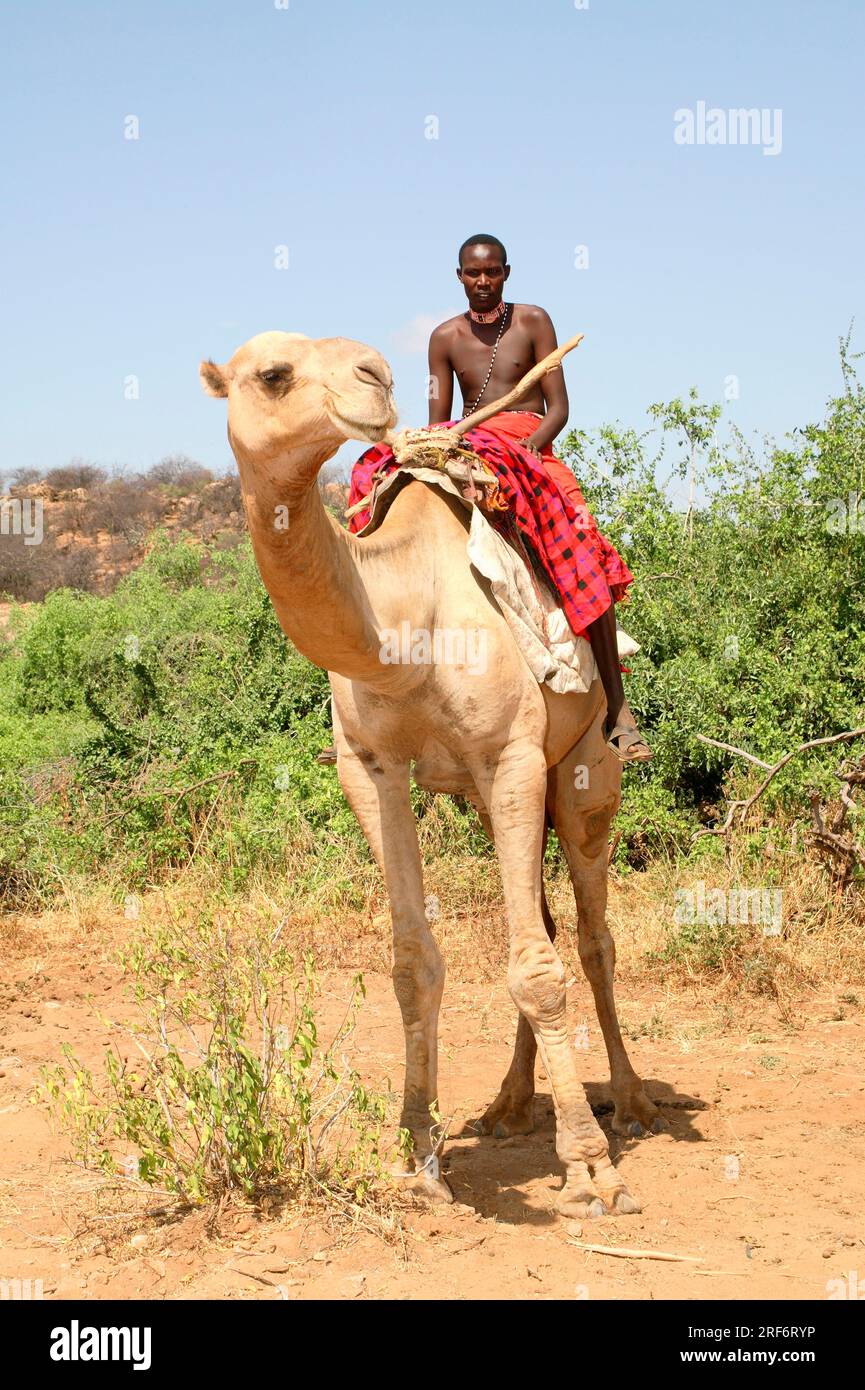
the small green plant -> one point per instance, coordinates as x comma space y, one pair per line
702, 945
653, 1028
236, 1091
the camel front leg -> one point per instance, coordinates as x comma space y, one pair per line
513, 786
583, 797
512, 1111
379, 797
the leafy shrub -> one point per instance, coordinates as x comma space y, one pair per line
171, 723
750, 614
231, 1088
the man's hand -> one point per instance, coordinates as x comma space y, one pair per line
533, 448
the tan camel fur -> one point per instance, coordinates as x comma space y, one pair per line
485, 730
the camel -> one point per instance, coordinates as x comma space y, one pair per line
488, 732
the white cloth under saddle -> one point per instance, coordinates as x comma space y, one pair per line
527, 602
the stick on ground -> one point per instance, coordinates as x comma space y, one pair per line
625, 1254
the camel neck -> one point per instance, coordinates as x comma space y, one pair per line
307, 563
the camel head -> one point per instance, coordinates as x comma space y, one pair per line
287, 392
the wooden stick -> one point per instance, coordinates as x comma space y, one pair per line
248, 1274
635, 1254
547, 364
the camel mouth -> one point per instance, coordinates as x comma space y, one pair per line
367, 430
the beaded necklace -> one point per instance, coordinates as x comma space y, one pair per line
469, 409
491, 316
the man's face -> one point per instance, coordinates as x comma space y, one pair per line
483, 276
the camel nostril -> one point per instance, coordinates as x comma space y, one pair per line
373, 374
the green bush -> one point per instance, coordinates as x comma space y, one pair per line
172, 724
750, 618
232, 1089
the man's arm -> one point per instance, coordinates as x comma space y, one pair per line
441, 378
552, 385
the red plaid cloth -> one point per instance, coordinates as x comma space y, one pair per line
584, 569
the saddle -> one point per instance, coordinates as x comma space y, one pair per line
444, 451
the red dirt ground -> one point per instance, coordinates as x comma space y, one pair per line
786, 1103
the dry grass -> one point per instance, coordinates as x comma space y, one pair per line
344, 920
334, 904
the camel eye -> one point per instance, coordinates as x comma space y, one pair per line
276, 376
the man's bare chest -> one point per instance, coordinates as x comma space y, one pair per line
470, 356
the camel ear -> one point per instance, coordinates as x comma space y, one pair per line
213, 379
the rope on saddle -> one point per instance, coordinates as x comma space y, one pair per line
443, 450
446, 451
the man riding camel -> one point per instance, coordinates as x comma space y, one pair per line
489, 350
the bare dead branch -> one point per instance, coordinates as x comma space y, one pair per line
729, 748
744, 806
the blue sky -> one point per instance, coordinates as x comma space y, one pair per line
307, 127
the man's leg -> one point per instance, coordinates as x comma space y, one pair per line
628, 744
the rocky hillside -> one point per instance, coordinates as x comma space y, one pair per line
82, 528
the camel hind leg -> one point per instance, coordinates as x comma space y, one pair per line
582, 798
513, 788
512, 1111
